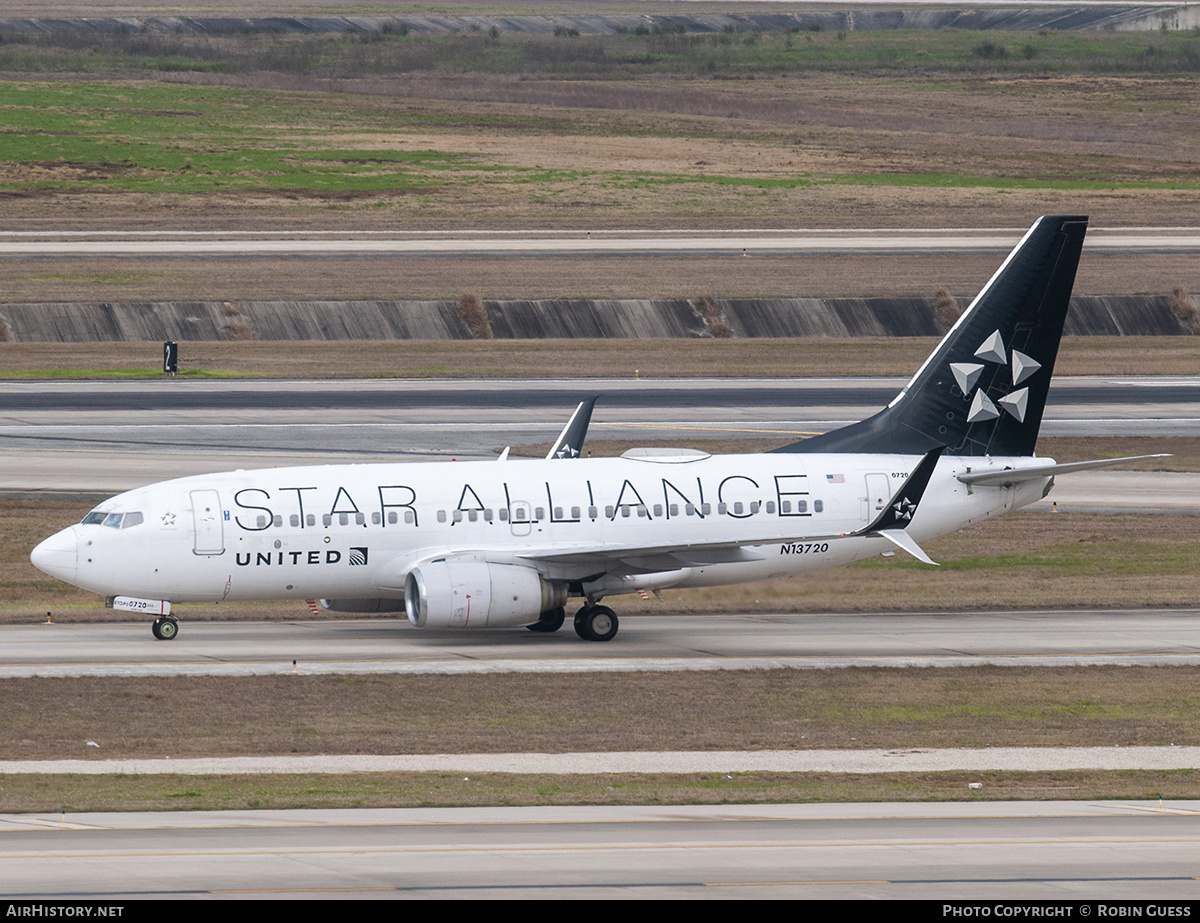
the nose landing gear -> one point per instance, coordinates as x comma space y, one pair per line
165, 629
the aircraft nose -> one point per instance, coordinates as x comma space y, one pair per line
58, 555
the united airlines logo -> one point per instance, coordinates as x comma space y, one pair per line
356, 557
967, 375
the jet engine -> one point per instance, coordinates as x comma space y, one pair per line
474, 594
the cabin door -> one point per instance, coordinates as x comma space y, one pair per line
207, 520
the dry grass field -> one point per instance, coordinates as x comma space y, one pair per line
779, 709
450, 359
853, 708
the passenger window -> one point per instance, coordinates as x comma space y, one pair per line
392, 517
441, 517
540, 513
409, 517
770, 507
262, 522
344, 518
705, 509
722, 509
473, 515
310, 519
504, 515
737, 508
457, 515
487, 515
574, 512
376, 519
277, 521
294, 520
558, 512
360, 519
658, 509
818, 506
327, 520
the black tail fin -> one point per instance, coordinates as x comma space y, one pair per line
983, 390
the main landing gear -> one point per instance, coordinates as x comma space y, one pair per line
165, 629
596, 623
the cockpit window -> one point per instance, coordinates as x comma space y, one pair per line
113, 520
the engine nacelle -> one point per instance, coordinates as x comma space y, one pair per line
473, 594
363, 605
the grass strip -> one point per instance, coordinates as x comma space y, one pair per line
852, 708
812, 357
70, 794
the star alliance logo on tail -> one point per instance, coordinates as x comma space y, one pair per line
966, 374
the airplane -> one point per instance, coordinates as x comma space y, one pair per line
472, 545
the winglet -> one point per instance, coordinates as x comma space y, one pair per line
903, 505
570, 441
903, 540
899, 512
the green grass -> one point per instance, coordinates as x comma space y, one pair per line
179, 140
81, 793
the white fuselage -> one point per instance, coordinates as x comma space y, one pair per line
355, 531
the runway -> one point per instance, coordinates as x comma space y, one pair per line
579, 242
646, 642
974, 852
110, 436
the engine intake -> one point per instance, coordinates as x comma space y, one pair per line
473, 594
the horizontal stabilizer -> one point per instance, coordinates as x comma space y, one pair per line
1011, 476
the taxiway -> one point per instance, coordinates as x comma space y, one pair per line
647, 642
1027, 850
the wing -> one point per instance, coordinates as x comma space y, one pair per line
610, 557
